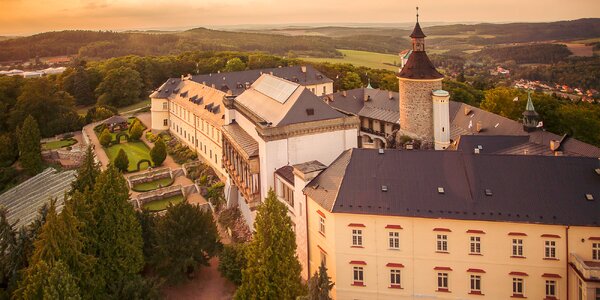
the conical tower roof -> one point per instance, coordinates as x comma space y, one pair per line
529, 108
417, 32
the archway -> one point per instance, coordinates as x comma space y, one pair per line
119, 135
141, 162
379, 143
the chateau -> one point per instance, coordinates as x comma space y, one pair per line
500, 209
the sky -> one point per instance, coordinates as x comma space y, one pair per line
24, 17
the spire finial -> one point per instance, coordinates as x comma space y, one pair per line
417, 14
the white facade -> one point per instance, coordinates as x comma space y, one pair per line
441, 119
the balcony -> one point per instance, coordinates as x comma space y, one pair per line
371, 131
240, 158
590, 270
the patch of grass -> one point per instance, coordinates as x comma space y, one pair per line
363, 58
136, 151
138, 105
153, 185
59, 144
162, 204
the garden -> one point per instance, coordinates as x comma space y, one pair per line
132, 155
162, 204
153, 185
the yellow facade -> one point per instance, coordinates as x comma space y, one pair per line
418, 259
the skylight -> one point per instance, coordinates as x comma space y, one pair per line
276, 88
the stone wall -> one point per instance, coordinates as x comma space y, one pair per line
416, 107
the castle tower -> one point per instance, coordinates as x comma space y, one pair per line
530, 116
417, 81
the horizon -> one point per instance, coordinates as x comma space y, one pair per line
27, 17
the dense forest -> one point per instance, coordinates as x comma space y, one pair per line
525, 54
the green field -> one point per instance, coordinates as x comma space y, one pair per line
153, 185
363, 58
134, 106
58, 144
162, 204
136, 151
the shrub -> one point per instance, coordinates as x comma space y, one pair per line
105, 138
151, 137
232, 261
136, 131
158, 152
215, 195
228, 216
122, 161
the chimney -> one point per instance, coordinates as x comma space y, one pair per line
271, 72
390, 95
219, 72
476, 150
558, 153
203, 82
366, 97
303, 69
344, 93
212, 86
467, 110
554, 144
479, 126
229, 93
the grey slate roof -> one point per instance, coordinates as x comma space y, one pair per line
235, 81
378, 107
236, 134
298, 113
166, 89
287, 173
528, 189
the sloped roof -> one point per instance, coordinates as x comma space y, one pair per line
242, 139
419, 66
301, 106
379, 105
529, 189
202, 100
166, 89
235, 81
417, 32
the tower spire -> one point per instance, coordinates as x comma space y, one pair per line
530, 116
417, 14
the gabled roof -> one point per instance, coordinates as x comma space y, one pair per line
379, 105
166, 89
300, 106
236, 81
528, 189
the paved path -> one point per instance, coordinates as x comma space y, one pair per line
100, 154
207, 284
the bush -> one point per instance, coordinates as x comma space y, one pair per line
232, 261
158, 152
151, 137
215, 195
122, 161
180, 153
105, 138
229, 216
136, 130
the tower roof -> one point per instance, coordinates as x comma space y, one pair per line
529, 109
419, 66
417, 32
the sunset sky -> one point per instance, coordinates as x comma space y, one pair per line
18, 17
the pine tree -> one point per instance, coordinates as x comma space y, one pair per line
320, 285
87, 173
8, 241
105, 138
29, 146
48, 281
136, 131
185, 238
273, 270
117, 233
158, 152
122, 161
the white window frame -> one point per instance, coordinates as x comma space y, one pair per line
165, 105
394, 240
517, 247
395, 277
475, 283
549, 249
358, 275
596, 251
357, 237
442, 243
518, 286
443, 280
551, 288
322, 225
475, 244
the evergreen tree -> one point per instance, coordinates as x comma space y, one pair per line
8, 245
117, 233
122, 161
105, 138
232, 261
185, 238
136, 130
8, 150
29, 146
320, 285
273, 270
87, 173
48, 281
158, 152
76, 81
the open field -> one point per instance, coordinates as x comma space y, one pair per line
162, 204
363, 58
134, 106
580, 49
136, 151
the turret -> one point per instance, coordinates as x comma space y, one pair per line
530, 116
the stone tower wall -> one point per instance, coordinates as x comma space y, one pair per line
416, 107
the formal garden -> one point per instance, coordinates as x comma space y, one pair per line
162, 204
58, 144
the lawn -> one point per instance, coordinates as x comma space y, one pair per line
363, 58
136, 151
58, 144
134, 106
153, 185
162, 204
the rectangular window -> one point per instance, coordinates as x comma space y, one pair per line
165, 105
324, 90
442, 243
475, 245
518, 286
356, 237
395, 277
596, 251
442, 281
550, 288
394, 240
285, 193
322, 225
517, 247
475, 283
358, 276
165, 122
550, 249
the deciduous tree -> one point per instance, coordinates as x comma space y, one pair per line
105, 138
120, 87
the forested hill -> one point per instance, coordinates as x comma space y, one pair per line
319, 41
